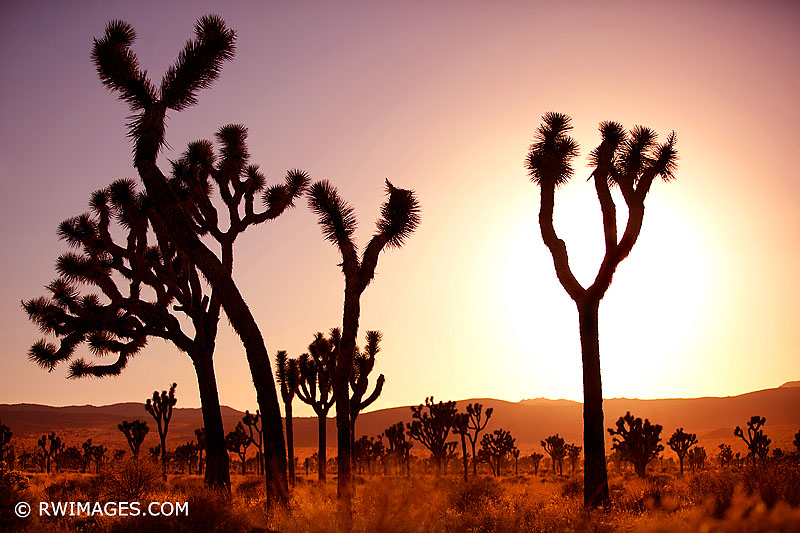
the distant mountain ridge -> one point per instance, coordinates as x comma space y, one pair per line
530, 421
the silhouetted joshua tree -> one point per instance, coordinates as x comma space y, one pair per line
494, 448
200, 434
363, 363
536, 458
256, 434
51, 446
461, 428
5, 442
796, 441
399, 447
573, 454
238, 441
287, 374
316, 387
637, 441
476, 424
630, 162
399, 218
725, 455
186, 455
515, 453
134, 432
697, 458
556, 448
160, 408
92, 452
680, 443
197, 67
432, 428
756, 440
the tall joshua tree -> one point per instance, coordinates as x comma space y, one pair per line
476, 424
680, 443
630, 162
363, 363
160, 408
197, 67
287, 373
399, 218
316, 387
134, 432
461, 428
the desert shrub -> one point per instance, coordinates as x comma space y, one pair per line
714, 489
130, 480
475, 494
251, 489
13, 483
774, 482
640, 495
72, 489
573, 488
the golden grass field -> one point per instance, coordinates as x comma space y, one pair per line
714, 500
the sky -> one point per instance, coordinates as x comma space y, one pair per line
442, 98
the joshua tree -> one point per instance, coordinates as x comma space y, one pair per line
160, 408
363, 363
51, 446
96, 453
697, 458
637, 441
725, 455
431, 428
515, 452
254, 429
238, 441
573, 454
399, 218
200, 433
287, 374
680, 443
756, 440
628, 161
796, 441
134, 432
461, 428
536, 458
5, 442
476, 424
399, 447
316, 386
494, 448
556, 448
197, 67
186, 455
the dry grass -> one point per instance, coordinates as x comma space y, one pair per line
711, 501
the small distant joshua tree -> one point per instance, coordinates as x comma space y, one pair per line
631, 162
495, 447
186, 455
725, 455
160, 408
287, 374
536, 458
134, 432
477, 423
6, 447
399, 218
96, 453
256, 434
432, 428
756, 440
573, 454
637, 441
556, 448
399, 447
515, 454
796, 441
461, 428
51, 446
697, 458
200, 434
680, 443
237, 441
363, 363
316, 387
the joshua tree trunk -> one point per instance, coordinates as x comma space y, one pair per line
344, 365
322, 469
596, 478
290, 442
217, 472
242, 320
464, 453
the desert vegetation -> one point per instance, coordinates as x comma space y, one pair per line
154, 259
